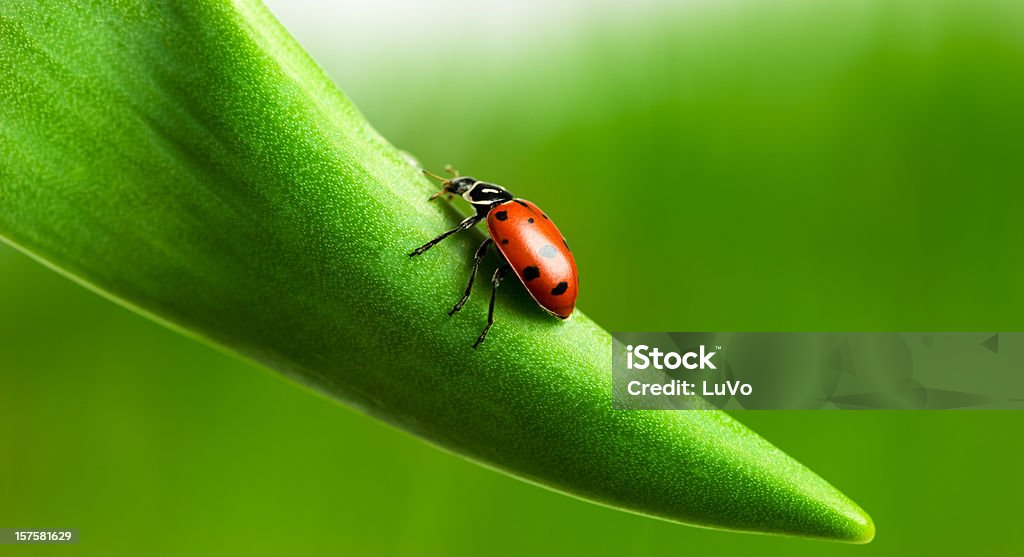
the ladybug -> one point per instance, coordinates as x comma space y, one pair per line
529, 243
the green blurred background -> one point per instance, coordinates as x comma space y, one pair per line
738, 165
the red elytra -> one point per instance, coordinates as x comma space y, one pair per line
538, 254
529, 242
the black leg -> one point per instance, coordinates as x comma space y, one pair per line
495, 281
464, 225
480, 253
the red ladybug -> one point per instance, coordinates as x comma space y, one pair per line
529, 242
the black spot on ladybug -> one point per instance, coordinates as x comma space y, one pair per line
545, 215
522, 203
501, 215
560, 289
504, 241
530, 220
548, 251
530, 273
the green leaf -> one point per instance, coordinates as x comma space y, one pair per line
189, 160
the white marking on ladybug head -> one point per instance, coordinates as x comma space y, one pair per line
484, 193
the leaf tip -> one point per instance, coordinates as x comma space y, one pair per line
854, 525
864, 529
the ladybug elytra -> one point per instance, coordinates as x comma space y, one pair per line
527, 240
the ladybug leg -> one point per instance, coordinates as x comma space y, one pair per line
464, 225
495, 281
480, 253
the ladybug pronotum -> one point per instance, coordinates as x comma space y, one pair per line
527, 240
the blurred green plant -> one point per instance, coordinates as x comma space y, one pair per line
190, 161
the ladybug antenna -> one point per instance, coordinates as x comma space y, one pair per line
435, 176
444, 184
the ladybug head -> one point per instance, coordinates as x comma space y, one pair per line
458, 185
